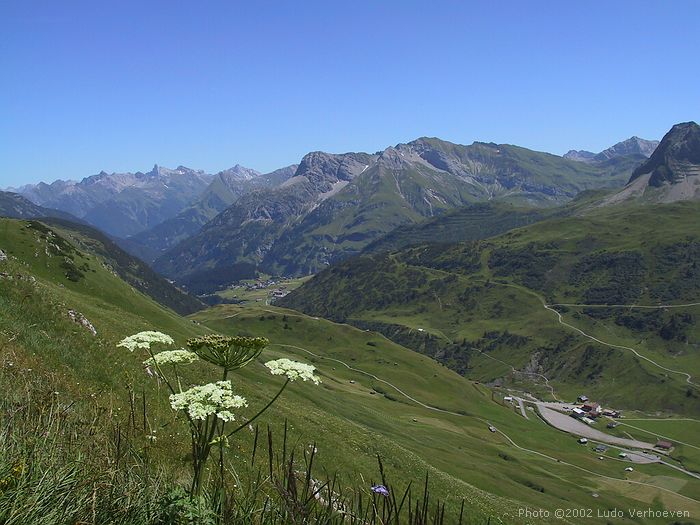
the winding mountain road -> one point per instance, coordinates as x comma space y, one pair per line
629, 306
688, 377
506, 436
369, 375
550, 307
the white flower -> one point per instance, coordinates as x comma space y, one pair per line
171, 357
225, 415
203, 401
145, 340
293, 370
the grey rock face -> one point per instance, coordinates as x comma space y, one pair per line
626, 148
675, 159
631, 146
123, 203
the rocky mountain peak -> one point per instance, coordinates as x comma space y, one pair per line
631, 146
675, 158
319, 167
671, 174
580, 155
238, 173
397, 157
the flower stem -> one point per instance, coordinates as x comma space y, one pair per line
260, 412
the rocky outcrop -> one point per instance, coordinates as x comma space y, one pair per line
80, 319
676, 158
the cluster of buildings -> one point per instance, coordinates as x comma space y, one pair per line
588, 411
279, 291
257, 285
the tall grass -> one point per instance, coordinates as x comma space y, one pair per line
285, 489
63, 461
73, 461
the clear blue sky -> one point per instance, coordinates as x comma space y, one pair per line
86, 87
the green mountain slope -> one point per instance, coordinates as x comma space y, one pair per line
350, 418
478, 306
129, 268
336, 205
62, 259
467, 223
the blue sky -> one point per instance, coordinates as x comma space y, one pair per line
87, 86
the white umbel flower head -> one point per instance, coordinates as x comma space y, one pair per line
171, 357
293, 370
145, 340
203, 401
225, 415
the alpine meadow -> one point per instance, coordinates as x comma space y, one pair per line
457, 287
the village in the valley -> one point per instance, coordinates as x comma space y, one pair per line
264, 289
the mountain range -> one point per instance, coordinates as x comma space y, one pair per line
206, 231
337, 204
676, 166
122, 204
631, 146
225, 188
146, 213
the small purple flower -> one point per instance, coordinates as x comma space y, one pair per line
380, 489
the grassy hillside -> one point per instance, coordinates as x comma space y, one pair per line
477, 221
418, 415
478, 307
458, 445
467, 223
113, 258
